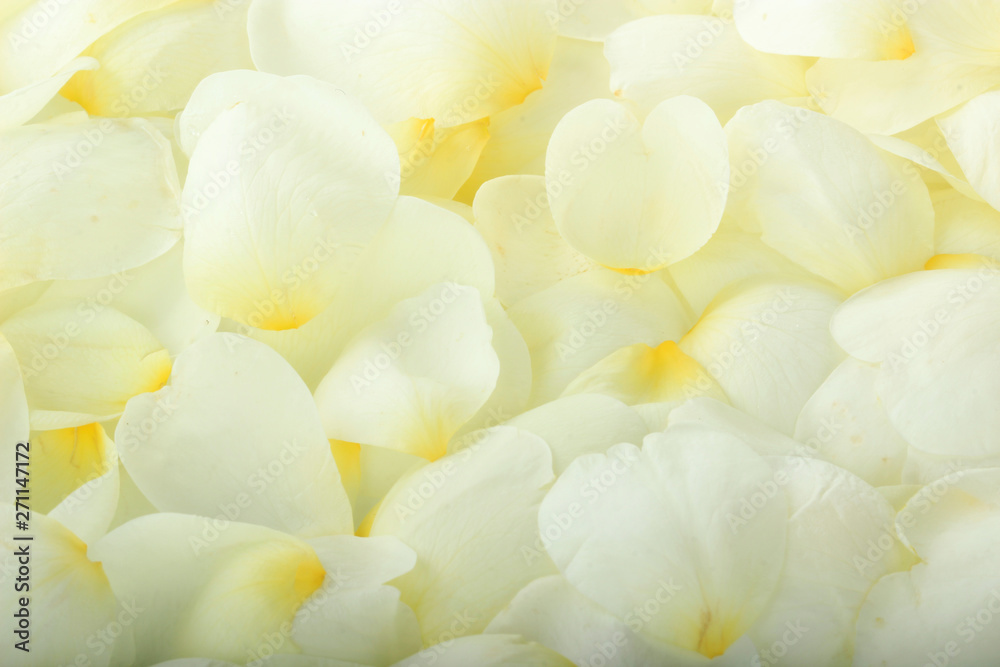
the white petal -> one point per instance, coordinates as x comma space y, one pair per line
152, 63
21, 105
360, 620
208, 587
472, 519
553, 613
730, 256
578, 425
638, 196
640, 374
420, 245
963, 226
841, 540
767, 344
69, 195
412, 380
435, 162
862, 29
577, 322
82, 362
520, 135
935, 334
37, 38
487, 55
826, 198
596, 19
236, 407
298, 162
654, 59
512, 213
486, 651
70, 598
973, 135
153, 294
706, 414
705, 581
845, 423
941, 610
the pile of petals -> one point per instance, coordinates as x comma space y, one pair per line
500, 333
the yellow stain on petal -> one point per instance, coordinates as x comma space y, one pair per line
160, 368
365, 528
714, 637
68, 559
284, 576
65, 459
348, 458
674, 376
964, 261
309, 577
631, 272
901, 46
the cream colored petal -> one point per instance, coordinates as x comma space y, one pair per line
39, 37
513, 215
729, 257
486, 651
826, 198
358, 619
81, 363
435, 162
654, 59
472, 519
520, 135
767, 344
683, 553
153, 294
887, 97
69, 599
284, 192
152, 63
706, 414
841, 541
845, 422
410, 381
65, 459
596, 19
21, 105
486, 55
935, 335
860, 29
577, 322
71, 198
963, 226
974, 137
513, 387
640, 374
208, 587
553, 613
636, 196
576, 425
239, 409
